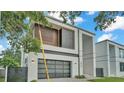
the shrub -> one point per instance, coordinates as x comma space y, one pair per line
33, 80
80, 76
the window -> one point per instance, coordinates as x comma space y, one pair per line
121, 66
121, 53
68, 38
61, 38
49, 35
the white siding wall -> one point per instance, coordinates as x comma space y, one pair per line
117, 60
101, 57
87, 52
112, 61
119, 73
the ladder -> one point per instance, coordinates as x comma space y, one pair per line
43, 53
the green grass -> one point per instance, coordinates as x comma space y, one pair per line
1, 79
108, 79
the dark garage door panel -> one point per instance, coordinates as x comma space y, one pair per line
56, 68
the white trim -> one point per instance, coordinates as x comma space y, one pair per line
108, 63
94, 56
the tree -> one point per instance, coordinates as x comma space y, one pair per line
10, 59
68, 15
105, 18
17, 32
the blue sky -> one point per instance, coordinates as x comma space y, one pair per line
85, 21
114, 33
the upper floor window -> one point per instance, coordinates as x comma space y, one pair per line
121, 53
49, 36
67, 37
61, 38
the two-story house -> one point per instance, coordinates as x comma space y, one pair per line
69, 51
109, 59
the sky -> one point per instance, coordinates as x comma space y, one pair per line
115, 32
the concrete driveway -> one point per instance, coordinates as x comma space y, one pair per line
63, 80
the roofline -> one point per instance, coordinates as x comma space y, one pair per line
45, 26
111, 42
102, 41
70, 25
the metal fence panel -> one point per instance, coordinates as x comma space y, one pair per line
18, 74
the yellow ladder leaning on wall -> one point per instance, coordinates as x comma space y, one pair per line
43, 53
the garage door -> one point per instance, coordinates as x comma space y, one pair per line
56, 68
99, 72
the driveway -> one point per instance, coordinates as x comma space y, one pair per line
63, 80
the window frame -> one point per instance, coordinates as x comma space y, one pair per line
121, 66
121, 53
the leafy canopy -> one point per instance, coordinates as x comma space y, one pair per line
10, 59
17, 32
105, 18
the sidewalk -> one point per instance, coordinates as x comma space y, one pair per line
63, 80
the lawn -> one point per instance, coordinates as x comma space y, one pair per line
1, 79
108, 79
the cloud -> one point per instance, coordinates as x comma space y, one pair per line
106, 37
57, 16
8, 44
91, 13
118, 25
26, 20
78, 20
1, 49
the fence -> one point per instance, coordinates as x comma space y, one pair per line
18, 74
2, 72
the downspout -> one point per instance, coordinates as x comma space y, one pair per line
78, 54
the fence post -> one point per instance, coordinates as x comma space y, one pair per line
6, 72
